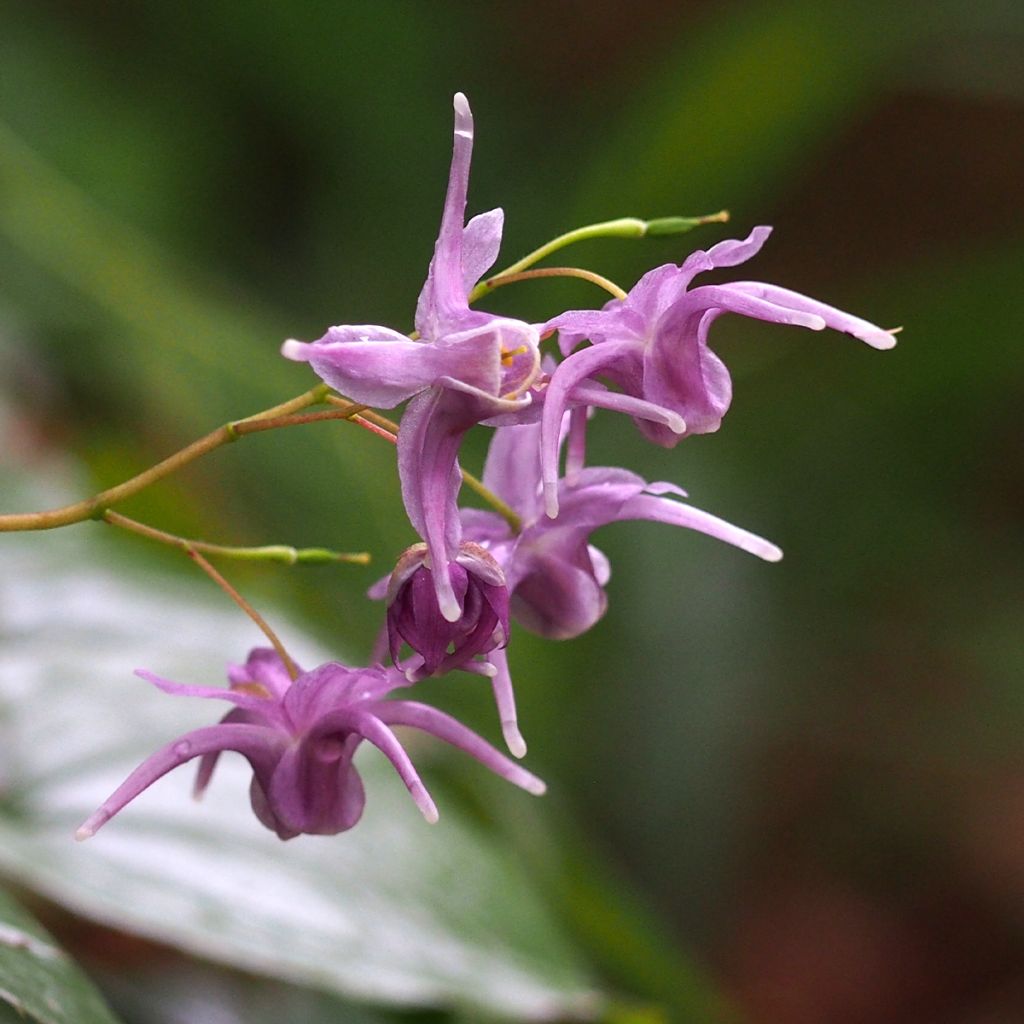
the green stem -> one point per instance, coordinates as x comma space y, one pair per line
265, 553
93, 508
264, 626
623, 227
389, 428
587, 275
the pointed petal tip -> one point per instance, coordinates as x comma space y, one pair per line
551, 499
513, 739
535, 786
450, 609
881, 340
463, 116
292, 349
424, 801
91, 826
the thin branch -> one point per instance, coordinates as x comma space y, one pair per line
587, 275
289, 664
282, 415
384, 427
264, 553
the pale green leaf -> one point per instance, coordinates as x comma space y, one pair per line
395, 911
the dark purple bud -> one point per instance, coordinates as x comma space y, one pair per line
415, 618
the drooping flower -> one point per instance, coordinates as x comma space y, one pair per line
462, 367
300, 737
652, 345
474, 643
413, 616
556, 578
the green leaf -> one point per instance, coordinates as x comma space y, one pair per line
396, 911
37, 980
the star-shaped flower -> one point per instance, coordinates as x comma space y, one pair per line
300, 738
556, 577
652, 345
462, 365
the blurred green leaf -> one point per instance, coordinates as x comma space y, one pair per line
697, 120
38, 980
194, 992
395, 912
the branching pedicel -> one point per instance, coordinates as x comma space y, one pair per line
450, 599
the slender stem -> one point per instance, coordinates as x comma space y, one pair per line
504, 510
282, 415
623, 227
366, 418
587, 275
289, 664
264, 553
386, 428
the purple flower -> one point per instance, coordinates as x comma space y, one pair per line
463, 367
300, 737
476, 640
555, 577
652, 345
413, 616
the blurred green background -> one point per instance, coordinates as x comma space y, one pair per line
810, 776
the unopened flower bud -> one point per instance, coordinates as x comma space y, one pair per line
414, 616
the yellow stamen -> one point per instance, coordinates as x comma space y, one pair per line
253, 689
507, 356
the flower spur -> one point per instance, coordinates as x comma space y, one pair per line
300, 737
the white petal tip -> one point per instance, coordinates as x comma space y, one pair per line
450, 609
485, 668
771, 553
513, 739
461, 104
293, 349
677, 424
812, 321
535, 786
882, 340
83, 832
551, 500
430, 815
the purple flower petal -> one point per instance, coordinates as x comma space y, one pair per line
481, 241
260, 745
446, 728
380, 367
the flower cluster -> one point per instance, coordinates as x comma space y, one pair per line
450, 597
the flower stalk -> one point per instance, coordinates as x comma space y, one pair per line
621, 227
262, 624
586, 275
264, 553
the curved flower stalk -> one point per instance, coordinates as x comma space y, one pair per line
464, 365
300, 737
556, 578
652, 345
